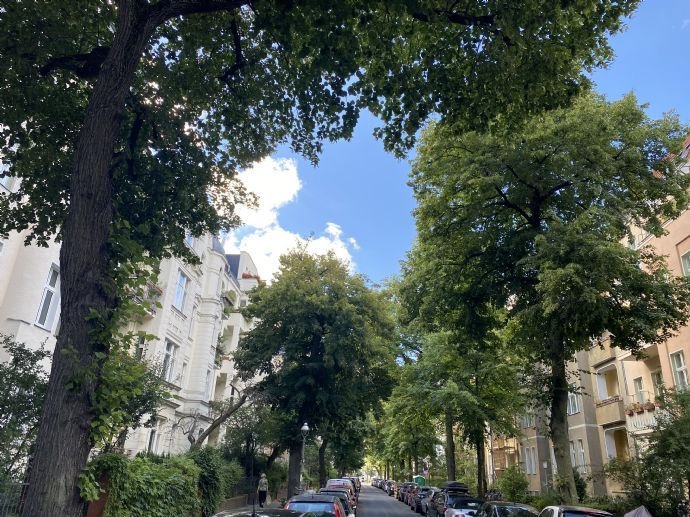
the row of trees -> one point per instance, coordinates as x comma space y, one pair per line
526, 255
127, 122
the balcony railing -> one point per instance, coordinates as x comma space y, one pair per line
610, 410
640, 411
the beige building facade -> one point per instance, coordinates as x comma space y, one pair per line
197, 327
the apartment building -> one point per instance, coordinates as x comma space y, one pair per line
616, 400
196, 328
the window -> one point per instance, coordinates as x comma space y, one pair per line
573, 401
680, 370
169, 361
50, 300
527, 420
639, 390
207, 388
685, 263
189, 239
152, 446
181, 290
141, 345
183, 373
581, 452
573, 457
657, 382
530, 460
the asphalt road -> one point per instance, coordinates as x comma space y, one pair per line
375, 503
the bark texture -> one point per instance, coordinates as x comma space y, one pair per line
294, 466
481, 466
323, 475
63, 442
559, 421
450, 446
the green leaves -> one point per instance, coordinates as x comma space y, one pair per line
323, 341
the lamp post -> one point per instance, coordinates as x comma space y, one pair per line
305, 431
545, 464
251, 451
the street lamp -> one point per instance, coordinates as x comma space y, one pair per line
250, 453
545, 464
305, 431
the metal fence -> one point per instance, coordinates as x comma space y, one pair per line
11, 498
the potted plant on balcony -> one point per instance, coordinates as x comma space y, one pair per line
649, 406
629, 410
638, 408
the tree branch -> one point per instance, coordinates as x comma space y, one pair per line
85, 66
220, 419
509, 204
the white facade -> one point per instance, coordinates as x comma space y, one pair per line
196, 328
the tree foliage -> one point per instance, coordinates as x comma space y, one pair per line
322, 345
23, 382
539, 222
128, 120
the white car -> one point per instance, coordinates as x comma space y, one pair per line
572, 511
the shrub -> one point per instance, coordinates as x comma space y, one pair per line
513, 484
580, 485
139, 486
231, 473
210, 478
544, 500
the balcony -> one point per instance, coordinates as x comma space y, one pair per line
147, 296
641, 412
599, 355
610, 411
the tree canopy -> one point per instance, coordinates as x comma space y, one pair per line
542, 223
322, 346
127, 121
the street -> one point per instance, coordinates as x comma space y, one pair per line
375, 503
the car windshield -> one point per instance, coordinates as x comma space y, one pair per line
463, 503
310, 506
513, 511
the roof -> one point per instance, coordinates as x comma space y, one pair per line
314, 497
583, 509
234, 263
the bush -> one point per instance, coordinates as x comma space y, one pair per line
618, 506
231, 473
513, 484
580, 485
542, 501
210, 478
164, 488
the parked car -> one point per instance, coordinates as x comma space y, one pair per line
572, 511
317, 503
505, 509
350, 510
403, 488
447, 503
389, 487
343, 483
267, 512
419, 506
357, 482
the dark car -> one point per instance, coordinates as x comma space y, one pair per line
419, 496
317, 503
447, 503
349, 507
505, 509
389, 487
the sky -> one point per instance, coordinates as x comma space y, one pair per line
356, 202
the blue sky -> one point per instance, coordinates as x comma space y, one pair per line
357, 202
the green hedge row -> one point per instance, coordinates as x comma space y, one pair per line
189, 485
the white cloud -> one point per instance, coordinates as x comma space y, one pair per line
276, 183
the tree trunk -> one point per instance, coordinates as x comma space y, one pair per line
323, 475
275, 453
63, 441
481, 466
450, 447
416, 465
218, 421
559, 420
294, 466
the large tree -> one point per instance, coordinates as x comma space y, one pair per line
322, 346
541, 222
127, 121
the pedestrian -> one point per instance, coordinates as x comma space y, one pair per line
262, 490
